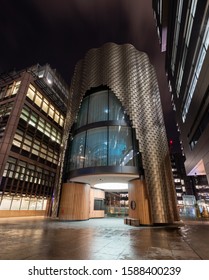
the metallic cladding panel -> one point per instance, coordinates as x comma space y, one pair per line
129, 74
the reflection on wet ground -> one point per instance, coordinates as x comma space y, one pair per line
100, 239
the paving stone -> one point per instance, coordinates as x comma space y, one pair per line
100, 239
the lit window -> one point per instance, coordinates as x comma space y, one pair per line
18, 137
32, 123
51, 112
45, 106
38, 100
41, 74
16, 143
9, 90
56, 118
61, 121
30, 93
177, 180
25, 147
16, 87
35, 152
49, 79
27, 142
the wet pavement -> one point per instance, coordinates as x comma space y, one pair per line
36, 238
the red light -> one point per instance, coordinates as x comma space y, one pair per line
171, 142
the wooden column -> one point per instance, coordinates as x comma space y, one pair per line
75, 201
138, 202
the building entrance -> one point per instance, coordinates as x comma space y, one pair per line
82, 201
116, 204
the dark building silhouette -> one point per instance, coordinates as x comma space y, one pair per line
183, 28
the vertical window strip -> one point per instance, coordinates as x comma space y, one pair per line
176, 34
196, 72
187, 36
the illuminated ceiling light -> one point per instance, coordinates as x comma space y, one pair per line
112, 186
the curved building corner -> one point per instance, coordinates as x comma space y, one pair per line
116, 130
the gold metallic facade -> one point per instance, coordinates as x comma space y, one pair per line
129, 74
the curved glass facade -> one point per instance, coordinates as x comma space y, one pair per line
102, 135
100, 106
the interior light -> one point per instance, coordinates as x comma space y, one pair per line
49, 81
112, 186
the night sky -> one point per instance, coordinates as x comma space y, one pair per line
60, 32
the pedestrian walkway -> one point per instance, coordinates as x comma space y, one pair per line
35, 238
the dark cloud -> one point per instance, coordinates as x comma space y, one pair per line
60, 32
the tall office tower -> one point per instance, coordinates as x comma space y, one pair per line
117, 134
32, 115
187, 62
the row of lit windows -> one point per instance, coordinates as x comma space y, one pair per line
198, 63
10, 90
45, 105
38, 122
201, 187
178, 180
180, 202
22, 203
35, 147
23, 171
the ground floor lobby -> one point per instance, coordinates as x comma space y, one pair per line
36, 238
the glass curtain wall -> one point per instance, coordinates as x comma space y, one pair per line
100, 106
102, 135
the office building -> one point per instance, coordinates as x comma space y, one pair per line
185, 25
200, 188
181, 180
116, 134
32, 116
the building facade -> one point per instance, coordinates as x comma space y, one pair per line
187, 62
32, 116
117, 133
181, 180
